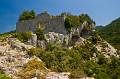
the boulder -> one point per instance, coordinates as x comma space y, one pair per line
80, 41
54, 38
33, 40
41, 44
86, 29
87, 78
54, 75
16, 44
106, 49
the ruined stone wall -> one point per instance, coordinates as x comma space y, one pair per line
56, 24
25, 26
51, 24
43, 17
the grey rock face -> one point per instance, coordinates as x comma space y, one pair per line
41, 44
16, 44
106, 49
33, 40
80, 41
87, 29
75, 31
53, 38
54, 75
87, 78
66, 40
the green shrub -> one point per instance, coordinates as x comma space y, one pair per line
24, 37
102, 75
72, 21
76, 21
35, 51
27, 15
3, 75
40, 34
102, 60
29, 70
78, 61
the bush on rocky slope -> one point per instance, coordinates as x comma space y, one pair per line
24, 37
34, 68
3, 75
79, 60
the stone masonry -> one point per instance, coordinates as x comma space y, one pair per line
44, 20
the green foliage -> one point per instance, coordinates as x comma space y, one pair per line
34, 64
111, 33
72, 21
103, 75
24, 37
30, 69
76, 21
77, 62
3, 75
27, 15
35, 51
68, 24
7, 35
40, 34
102, 60
65, 60
61, 59
85, 17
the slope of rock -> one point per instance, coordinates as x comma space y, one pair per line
106, 49
16, 63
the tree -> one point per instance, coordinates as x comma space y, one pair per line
77, 21
40, 34
85, 17
71, 21
27, 15
68, 24
33, 13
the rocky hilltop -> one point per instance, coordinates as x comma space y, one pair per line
14, 57
80, 53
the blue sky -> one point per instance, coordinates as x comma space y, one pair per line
101, 11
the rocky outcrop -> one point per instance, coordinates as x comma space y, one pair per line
33, 40
42, 43
16, 44
13, 58
106, 49
80, 41
87, 78
87, 29
67, 39
53, 37
54, 75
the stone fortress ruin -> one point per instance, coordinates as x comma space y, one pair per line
54, 29
44, 20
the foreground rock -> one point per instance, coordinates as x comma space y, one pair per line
54, 75
106, 49
13, 59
